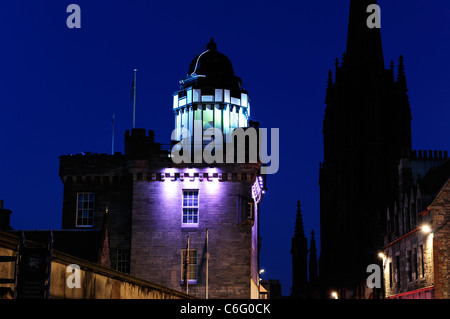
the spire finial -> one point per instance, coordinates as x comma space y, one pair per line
211, 45
401, 66
299, 231
401, 77
312, 259
330, 79
329, 86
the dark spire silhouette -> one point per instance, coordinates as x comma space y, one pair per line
401, 76
104, 253
312, 259
299, 230
329, 86
364, 48
299, 251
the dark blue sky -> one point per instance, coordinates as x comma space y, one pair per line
60, 86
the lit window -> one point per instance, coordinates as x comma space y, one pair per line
422, 261
190, 207
249, 210
409, 265
191, 263
123, 260
85, 209
390, 275
415, 263
397, 270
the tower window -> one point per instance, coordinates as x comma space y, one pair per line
190, 208
85, 209
390, 275
409, 264
123, 260
415, 264
422, 261
249, 210
190, 262
397, 266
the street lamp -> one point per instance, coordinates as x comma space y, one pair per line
259, 283
426, 229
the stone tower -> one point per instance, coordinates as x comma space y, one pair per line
160, 211
366, 127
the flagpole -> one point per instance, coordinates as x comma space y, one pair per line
112, 142
134, 99
207, 259
187, 266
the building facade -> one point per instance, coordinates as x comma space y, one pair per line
190, 225
416, 255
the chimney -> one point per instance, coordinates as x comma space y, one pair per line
4, 217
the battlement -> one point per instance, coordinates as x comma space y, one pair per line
140, 144
429, 154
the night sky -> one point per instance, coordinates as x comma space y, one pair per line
59, 88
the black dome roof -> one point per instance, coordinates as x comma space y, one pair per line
211, 69
211, 62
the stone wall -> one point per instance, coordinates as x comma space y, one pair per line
101, 283
158, 235
96, 282
440, 210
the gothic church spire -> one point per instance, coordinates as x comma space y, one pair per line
364, 48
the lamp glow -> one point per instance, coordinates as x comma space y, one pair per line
334, 295
426, 229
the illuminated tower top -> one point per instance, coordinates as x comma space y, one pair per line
212, 94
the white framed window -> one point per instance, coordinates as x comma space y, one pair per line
190, 262
190, 207
85, 209
123, 260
